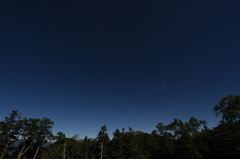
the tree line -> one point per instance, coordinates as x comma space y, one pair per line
32, 138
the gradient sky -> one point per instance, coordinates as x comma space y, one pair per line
85, 63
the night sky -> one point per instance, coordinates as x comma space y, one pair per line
86, 63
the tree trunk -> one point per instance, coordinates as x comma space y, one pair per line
36, 153
86, 155
101, 149
3, 153
64, 150
22, 152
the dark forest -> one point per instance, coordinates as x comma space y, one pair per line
29, 138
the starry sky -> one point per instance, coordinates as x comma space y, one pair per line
85, 63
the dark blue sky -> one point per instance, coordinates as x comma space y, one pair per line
84, 64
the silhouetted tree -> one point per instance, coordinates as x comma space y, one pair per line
102, 141
9, 132
229, 108
34, 133
117, 145
180, 137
